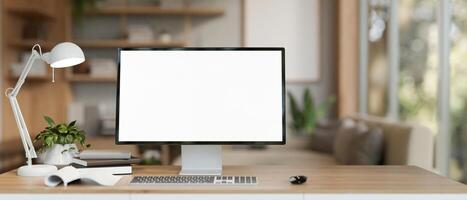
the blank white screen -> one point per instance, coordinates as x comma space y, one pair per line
200, 96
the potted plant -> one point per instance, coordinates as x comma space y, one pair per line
59, 142
306, 117
80, 6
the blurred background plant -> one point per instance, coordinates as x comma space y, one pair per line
80, 6
306, 116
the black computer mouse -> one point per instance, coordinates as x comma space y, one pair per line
296, 180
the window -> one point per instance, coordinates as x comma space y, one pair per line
431, 74
458, 86
418, 72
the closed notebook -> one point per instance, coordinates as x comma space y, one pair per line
102, 154
102, 162
115, 170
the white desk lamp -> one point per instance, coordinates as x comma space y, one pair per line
65, 54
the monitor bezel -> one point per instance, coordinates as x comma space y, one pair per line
204, 142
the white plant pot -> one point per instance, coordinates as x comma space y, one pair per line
56, 155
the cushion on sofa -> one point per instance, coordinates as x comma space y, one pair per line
322, 139
396, 138
357, 144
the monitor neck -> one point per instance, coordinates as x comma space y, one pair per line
201, 160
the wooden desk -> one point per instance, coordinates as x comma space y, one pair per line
333, 182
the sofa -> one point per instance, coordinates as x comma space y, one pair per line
404, 144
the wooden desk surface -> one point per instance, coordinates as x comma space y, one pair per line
272, 179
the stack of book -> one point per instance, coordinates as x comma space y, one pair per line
105, 161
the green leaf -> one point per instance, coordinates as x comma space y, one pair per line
324, 106
307, 101
61, 140
305, 118
48, 141
309, 111
49, 121
79, 137
55, 136
69, 139
72, 124
62, 128
297, 118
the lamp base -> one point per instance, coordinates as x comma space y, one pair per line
36, 170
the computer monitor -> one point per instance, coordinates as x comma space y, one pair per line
201, 98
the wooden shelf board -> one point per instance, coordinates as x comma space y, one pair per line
88, 78
154, 10
33, 78
126, 43
28, 44
31, 12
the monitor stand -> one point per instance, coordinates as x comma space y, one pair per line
201, 160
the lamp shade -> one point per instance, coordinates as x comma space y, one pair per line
65, 54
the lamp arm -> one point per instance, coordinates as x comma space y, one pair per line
34, 55
23, 131
12, 93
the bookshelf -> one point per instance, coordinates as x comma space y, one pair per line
41, 97
154, 10
26, 44
126, 11
38, 95
33, 9
183, 15
127, 43
90, 79
33, 78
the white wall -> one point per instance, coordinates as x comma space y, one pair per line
221, 31
307, 28
327, 84
293, 24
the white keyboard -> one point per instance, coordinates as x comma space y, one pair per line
194, 180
